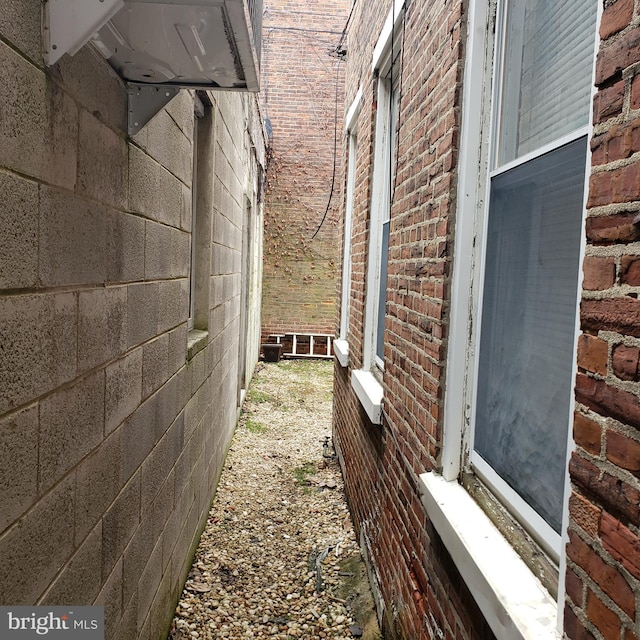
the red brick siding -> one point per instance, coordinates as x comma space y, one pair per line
299, 96
604, 544
422, 591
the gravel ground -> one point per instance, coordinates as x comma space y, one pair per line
276, 559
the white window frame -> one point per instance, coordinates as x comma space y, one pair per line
506, 589
341, 345
365, 381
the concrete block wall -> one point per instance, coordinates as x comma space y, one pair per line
112, 437
603, 573
300, 80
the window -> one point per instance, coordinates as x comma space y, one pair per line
201, 212
386, 59
532, 258
341, 345
515, 288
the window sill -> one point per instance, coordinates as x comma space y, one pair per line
341, 349
512, 600
369, 392
196, 341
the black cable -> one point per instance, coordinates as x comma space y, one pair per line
335, 150
346, 26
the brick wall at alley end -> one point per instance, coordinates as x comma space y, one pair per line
301, 75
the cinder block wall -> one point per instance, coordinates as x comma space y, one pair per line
299, 83
419, 587
111, 437
603, 573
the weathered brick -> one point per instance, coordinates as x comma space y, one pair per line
621, 543
599, 273
609, 101
587, 434
616, 57
626, 362
584, 513
623, 451
616, 17
613, 314
630, 270
608, 490
593, 354
607, 400
613, 229
602, 617
607, 577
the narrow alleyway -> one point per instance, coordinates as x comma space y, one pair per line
278, 558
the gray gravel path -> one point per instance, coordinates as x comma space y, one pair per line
279, 545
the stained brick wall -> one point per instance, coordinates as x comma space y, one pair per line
300, 79
421, 589
422, 594
112, 435
603, 574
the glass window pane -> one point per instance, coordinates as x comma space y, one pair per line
528, 325
382, 296
548, 66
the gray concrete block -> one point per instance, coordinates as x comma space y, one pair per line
123, 390
127, 627
150, 579
136, 556
20, 24
125, 247
158, 252
158, 466
102, 162
169, 146
174, 303
153, 191
39, 124
94, 85
35, 548
162, 507
119, 524
38, 342
18, 464
72, 239
71, 425
98, 482
19, 237
142, 312
181, 110
110, 597
180, 253
138, 436
79, 581
185, 217
101, 325
155, 364
177, 348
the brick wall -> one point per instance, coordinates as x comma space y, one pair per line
299, 84
421, 592
603, 573
112, 435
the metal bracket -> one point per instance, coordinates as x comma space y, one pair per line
145, 100
68, 24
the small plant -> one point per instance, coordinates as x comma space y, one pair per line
258, 397
302, 473
254, 427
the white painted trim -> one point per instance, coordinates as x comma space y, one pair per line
341, 351
384, 41
351, 119
455, 401
369, 392
512, 600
